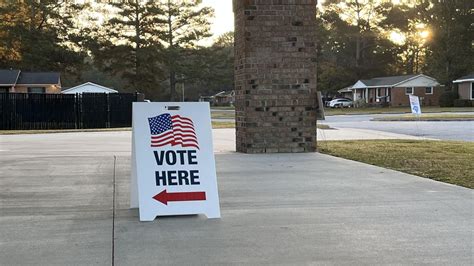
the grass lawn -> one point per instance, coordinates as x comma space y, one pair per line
222, 115
445, 161
222, 112
428, 117
223, 124
222, 108
394, 110
323, 126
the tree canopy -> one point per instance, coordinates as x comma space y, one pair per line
156, 46
36, 35
368, 38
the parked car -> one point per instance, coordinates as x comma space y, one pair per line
326, 101
340, 102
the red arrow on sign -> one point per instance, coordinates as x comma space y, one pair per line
164, 196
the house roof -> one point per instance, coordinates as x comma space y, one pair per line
346, 89
387, 81
224, 94
89, 84
39, 78
466, 78
8, 77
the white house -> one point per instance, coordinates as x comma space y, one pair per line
88, 87
346, 92
466, 87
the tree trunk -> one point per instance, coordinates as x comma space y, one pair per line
172, 86
357, 51
170, 59
358, 37
137, 47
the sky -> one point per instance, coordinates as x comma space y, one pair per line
224, 20
223, 17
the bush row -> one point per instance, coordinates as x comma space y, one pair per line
463, 103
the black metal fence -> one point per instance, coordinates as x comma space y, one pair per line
24, 111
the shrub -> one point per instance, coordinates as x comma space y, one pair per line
360, 103
447, 99
462, 103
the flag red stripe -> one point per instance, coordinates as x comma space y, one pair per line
184, 139
179, 131
186, 145
185, 135
178, 117
182, 126
190, 145
175, 121
184, 131
162, 136
181, 117
162, 140
162, 144
180, 140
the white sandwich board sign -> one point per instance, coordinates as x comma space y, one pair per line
173, 167
415, 104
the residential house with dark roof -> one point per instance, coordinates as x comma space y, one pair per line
29, 82
466, 87
394, 90
224, 98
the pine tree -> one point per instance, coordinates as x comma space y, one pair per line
183, 24
39, 36
451, 48
127, 45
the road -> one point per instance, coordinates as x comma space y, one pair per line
449, 130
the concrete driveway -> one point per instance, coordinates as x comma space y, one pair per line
64, 201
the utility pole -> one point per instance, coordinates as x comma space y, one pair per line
182, 89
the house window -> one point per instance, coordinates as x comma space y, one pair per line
429, 90
409, 90
36, 90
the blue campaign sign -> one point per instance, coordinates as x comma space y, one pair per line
415, 104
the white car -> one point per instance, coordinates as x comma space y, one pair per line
341, 102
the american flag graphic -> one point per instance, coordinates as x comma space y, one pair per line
175, 130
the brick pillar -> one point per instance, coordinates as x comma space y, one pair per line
275, 75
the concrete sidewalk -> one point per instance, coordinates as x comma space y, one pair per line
360, 134
224, 138
57, 194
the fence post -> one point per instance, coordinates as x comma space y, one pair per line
107, 103
76, 110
